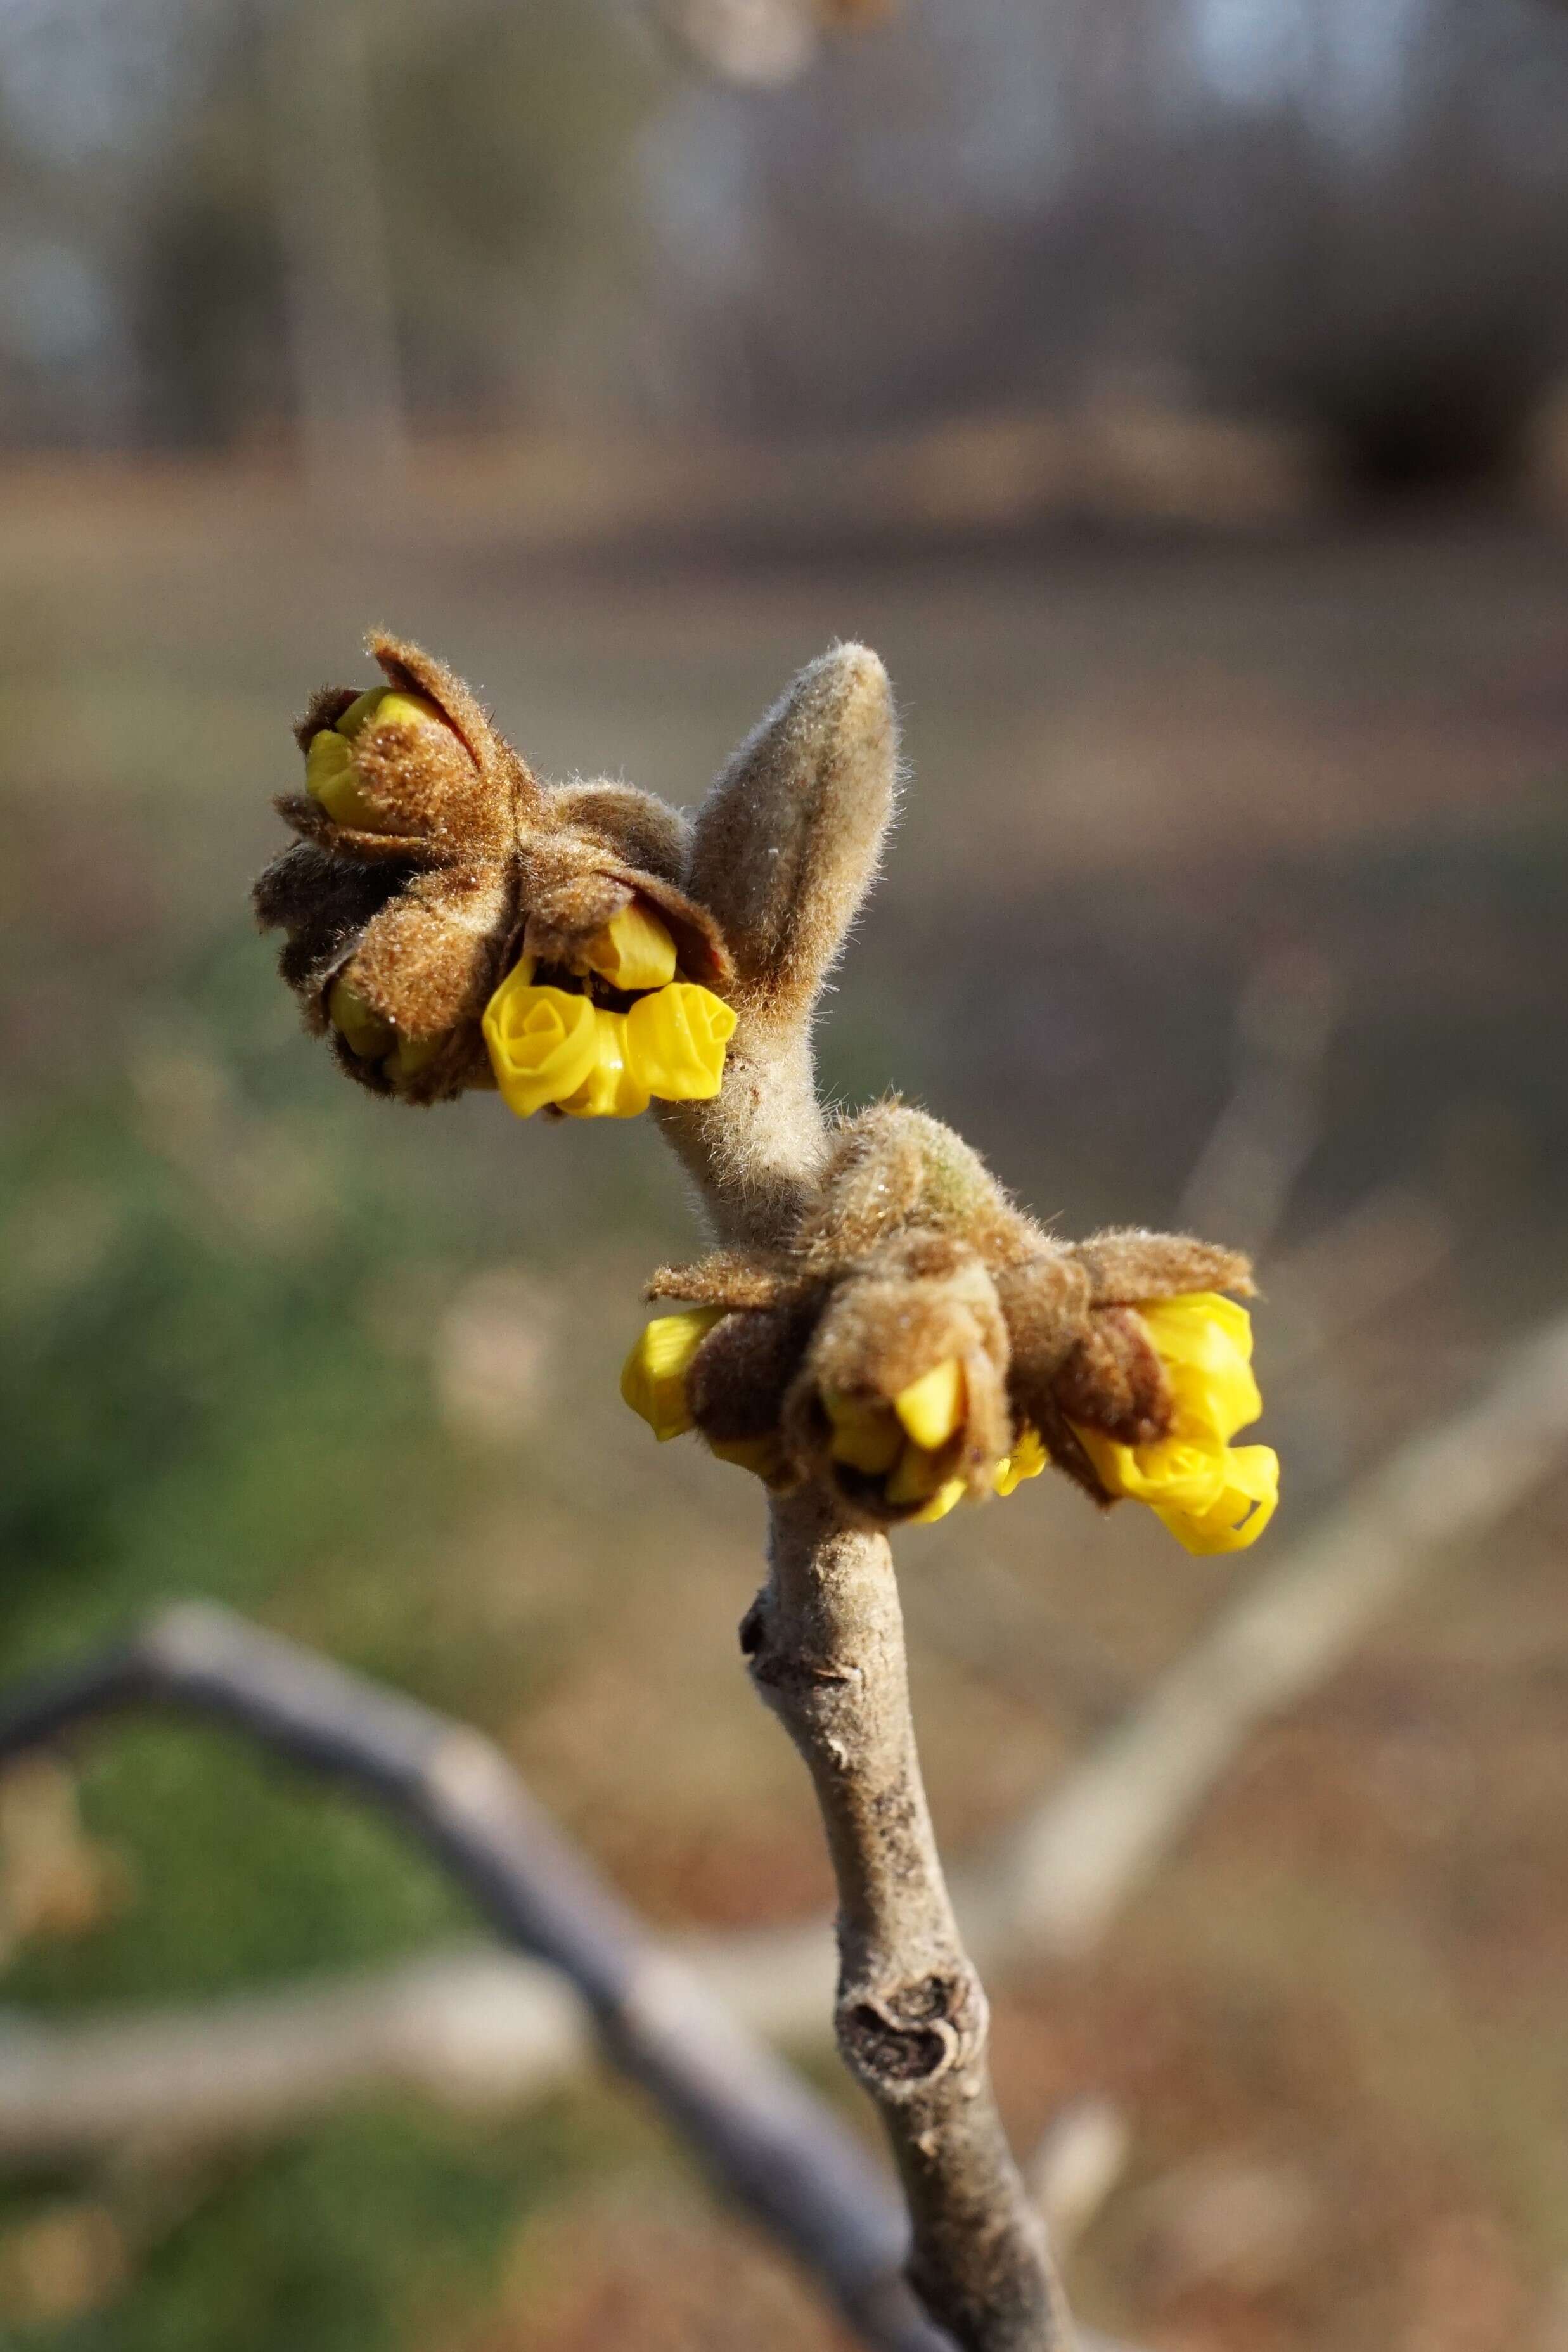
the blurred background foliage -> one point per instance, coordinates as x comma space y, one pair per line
1072, 355
1347, 215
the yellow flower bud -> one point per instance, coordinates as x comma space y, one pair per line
932, 1408
1212, 1495
610, 1090
412, 1054
544, 1043
865, 1432
387, 702
634, 951
364, 1030
653, 1378
332, 783
362, 708
1026, 1460
676, 1041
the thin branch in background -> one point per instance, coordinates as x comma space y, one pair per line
1241, 1184
1387, 1246
783, 2155
1081, 2155
470, 2029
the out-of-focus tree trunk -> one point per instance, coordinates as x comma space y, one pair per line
342, 319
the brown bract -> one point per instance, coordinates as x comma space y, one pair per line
909, 1254
473, 862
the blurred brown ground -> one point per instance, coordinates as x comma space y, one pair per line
1144, 761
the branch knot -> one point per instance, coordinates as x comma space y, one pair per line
900, 2039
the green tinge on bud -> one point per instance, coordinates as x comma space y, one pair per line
386, 702
331, 778
412, 1054
366, 1033
332, 784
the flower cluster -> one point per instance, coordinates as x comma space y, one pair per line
919, 1342
897, 1329
601, 1042
903, 1446
454, 923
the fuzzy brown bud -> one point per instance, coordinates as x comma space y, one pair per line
430, 858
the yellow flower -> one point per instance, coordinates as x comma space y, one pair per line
905, 1441
653, 1378
543, 1042
610, 1089
634, 951
557, 1045
676, 1040
1213, 1496
330, 777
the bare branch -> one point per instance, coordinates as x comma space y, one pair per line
825, 1643
770, 2142
785, 848
471, 2028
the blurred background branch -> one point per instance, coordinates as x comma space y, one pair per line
767, 2140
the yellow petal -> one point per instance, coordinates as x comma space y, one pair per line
543, 1042
762, 1456
364, 1030
1189, 1321
364, 706
405, 707
332, 783
1186, 1474
932, 1408
952, 1491
387, 702
1026, 1460
1204, 1342
676, 1040
653, 1378
610, 1089
917, 1476
634, 951
865, 1432
1240, 1512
